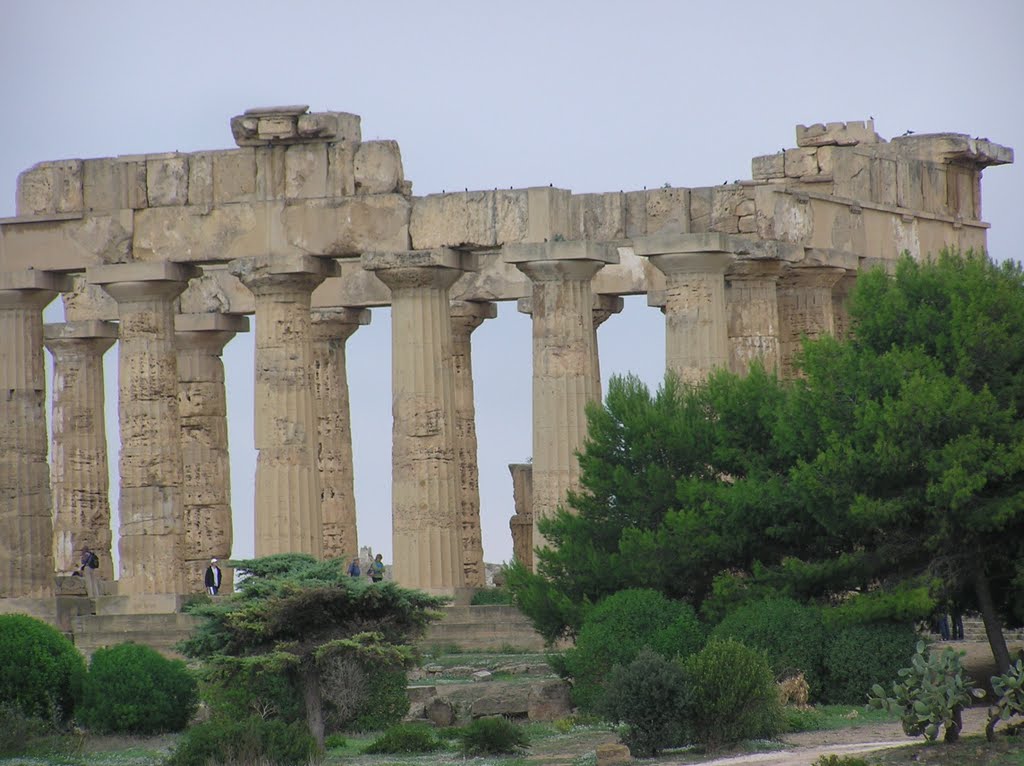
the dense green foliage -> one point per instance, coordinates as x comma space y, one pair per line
249, 692
649, 696
792, 635
494, 735
886, 479
385, 702
931, 696
133, 689
615, 631
41, 672
1009, 690
859, 656
405, 738
294, 616
731, 695
489, 596
18, 731
244, 740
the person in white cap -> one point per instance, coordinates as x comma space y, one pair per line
212, 579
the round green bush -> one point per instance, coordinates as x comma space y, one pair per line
791, 634
243, 693
244, 740
614, 632
133, 689
859, 656
386, 700
493, 736
731, 695
41, 672
405, 738
649, 696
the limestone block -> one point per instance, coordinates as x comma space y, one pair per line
700, 209
167, 179
764, 211
200, 178
883, 181
234, 176
341, 180
191, 233
378, 167
724, 203
933, 187
952, 147
825, 159
548, 216
598, 216
67, 245
668, 208
348, 226
910, 184
305, 170
462, 219
851, 174
50, 187
85, 301
636, 213
113, 184
549, 701
612, 754
746, 224
837, 134
794, 221
768, 166
440, 712
801, 162
270, 172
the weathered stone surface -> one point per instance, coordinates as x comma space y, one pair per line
805, 310
753, 314
600, 217
167, 179
440, 712
305, 167
50, 187
378, 168
549, 701
837, 133
768, 166
801, 162
349, 226
521, 523
612, 754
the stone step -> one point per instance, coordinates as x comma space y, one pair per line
484, 627
160, 631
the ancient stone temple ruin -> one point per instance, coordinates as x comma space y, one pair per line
310, 228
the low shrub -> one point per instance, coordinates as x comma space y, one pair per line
648, 695
133, 689
491, 596
384, 702
404, 738
1009, 689
18, 731
731, 695
246, 740
248, 693
615, 631
333, 741
41, 672
493, 736
932, 694
791, 634
859, 656
840, 760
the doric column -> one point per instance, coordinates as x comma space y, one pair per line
427, 530
521, 524
696, 327
604, 307
79, 475
563, 361
466, 317
805, 309
202, 405
152, 531
753, 311
26, 528
288, 518
331, 330
840, 304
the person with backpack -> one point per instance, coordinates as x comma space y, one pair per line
377, 569
90, 563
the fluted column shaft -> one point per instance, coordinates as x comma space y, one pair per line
521, 524
840, 304
753, 312
152, 531
202, 406
331, 331
427, 530
466, 316
26, 529
79, 473
288, 517
563, 376
696, 327
604, 307
806, 310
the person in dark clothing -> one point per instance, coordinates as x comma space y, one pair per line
353, 569
90, 563
377, 569
212, 578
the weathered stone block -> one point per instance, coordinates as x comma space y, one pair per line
668, 208
200, 178
909, 184
462, 219
768, 166
598, 216
636, 213
801, 162
50, 187
883, 181
341, 180
270, 172
613, 754
234, 176
167, 179
837, 134
378, 167
305, 170
700, 209
851, 174
277, 128
349, 226
825, 159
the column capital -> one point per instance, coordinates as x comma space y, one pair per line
410, 269
92, 334
560, 260
824, 277
31, 288
338, 324
754, 269
468, 315
134, 281
605, 306
271, 274
210, 332
672, 264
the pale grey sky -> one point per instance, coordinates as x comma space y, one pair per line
591, 95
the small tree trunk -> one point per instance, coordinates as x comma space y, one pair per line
314, 706
993, 625
953, 732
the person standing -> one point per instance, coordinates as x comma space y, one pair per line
353, 569
212, 578
90, 562
377, 569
